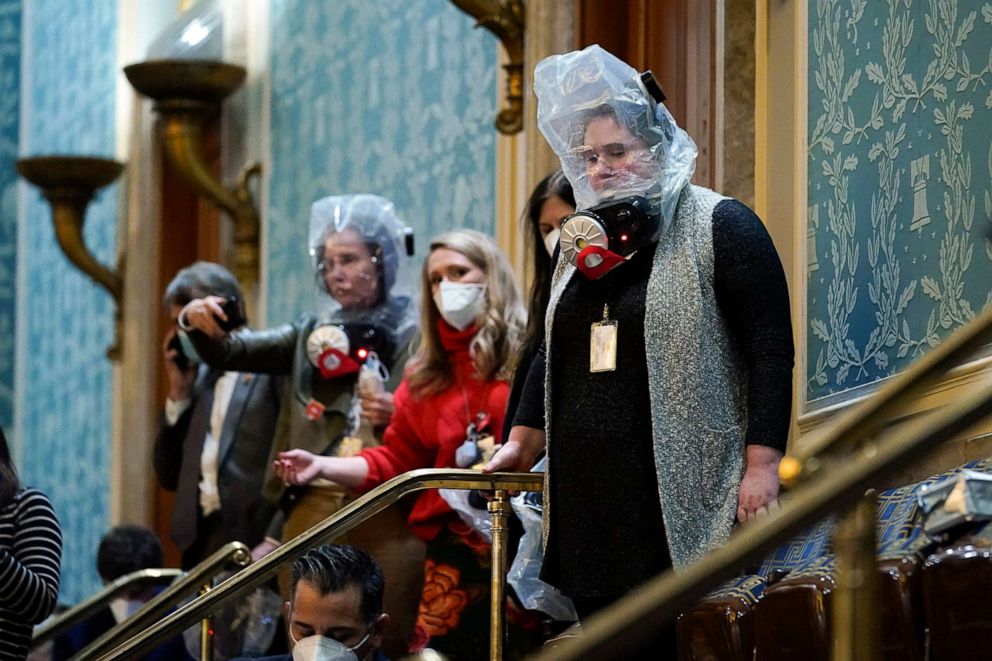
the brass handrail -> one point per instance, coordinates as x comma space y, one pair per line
871, 415
344, 520
234, 553
631, 620
57, 624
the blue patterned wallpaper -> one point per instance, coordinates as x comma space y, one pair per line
900, 183
63, 404
10, 82
389, 97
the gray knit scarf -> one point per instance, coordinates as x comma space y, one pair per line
696, 382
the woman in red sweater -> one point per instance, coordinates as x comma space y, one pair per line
472, 320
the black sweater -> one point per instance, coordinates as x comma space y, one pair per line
750, 288
607, 530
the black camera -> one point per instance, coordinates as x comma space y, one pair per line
180, 359
235, 318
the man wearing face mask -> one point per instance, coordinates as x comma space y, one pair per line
668, 359
335, 611
213, 445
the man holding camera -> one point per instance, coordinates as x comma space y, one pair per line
217, 428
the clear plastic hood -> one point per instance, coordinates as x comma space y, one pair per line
362, 270
612, 138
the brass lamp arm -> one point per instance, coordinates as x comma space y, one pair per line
186, 93
68, 183
66, 213
182, 135
505, 19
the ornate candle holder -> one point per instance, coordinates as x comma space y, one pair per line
69, 183
186, 93
505, 19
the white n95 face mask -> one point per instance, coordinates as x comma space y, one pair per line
322, 648
460, 303
551, 241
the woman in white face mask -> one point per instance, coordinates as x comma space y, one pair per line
471, 325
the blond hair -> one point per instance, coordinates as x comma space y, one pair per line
496, 346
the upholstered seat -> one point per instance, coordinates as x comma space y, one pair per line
759, 616
721, 626
956, 598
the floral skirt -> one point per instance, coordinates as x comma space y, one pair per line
453, 616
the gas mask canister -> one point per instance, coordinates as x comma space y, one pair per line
599, 239
341, 349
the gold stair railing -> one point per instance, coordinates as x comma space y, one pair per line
67, 619
231, 554
344, 520
829, 474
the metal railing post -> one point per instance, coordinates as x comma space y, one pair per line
206, 637
499, 508
854, 603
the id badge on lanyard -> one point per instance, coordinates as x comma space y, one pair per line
603, 344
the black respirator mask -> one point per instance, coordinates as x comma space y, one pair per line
341, 349
600, 238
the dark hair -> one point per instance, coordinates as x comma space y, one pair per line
335, 567
555, 184
201, 279
9, 483
641, 125
127, 549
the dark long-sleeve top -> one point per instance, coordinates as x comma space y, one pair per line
30, 559
751, 290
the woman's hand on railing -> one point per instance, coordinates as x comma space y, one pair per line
759, 486
520, 451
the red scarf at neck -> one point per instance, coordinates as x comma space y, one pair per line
455, 341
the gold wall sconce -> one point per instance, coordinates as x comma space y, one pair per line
186, 94
505, 19
69, 183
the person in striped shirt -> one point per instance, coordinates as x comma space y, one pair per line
30, 559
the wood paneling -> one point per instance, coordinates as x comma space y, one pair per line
676, 40
189, 230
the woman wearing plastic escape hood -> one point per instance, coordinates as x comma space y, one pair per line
471, 325
344, 359
668, 359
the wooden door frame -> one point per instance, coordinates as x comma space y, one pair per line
189, 229
678, 41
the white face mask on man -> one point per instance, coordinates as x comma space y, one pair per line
322, 648
460, 303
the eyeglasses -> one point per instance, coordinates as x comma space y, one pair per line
346, 261
612, 154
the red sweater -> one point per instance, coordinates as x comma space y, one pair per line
425, 432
